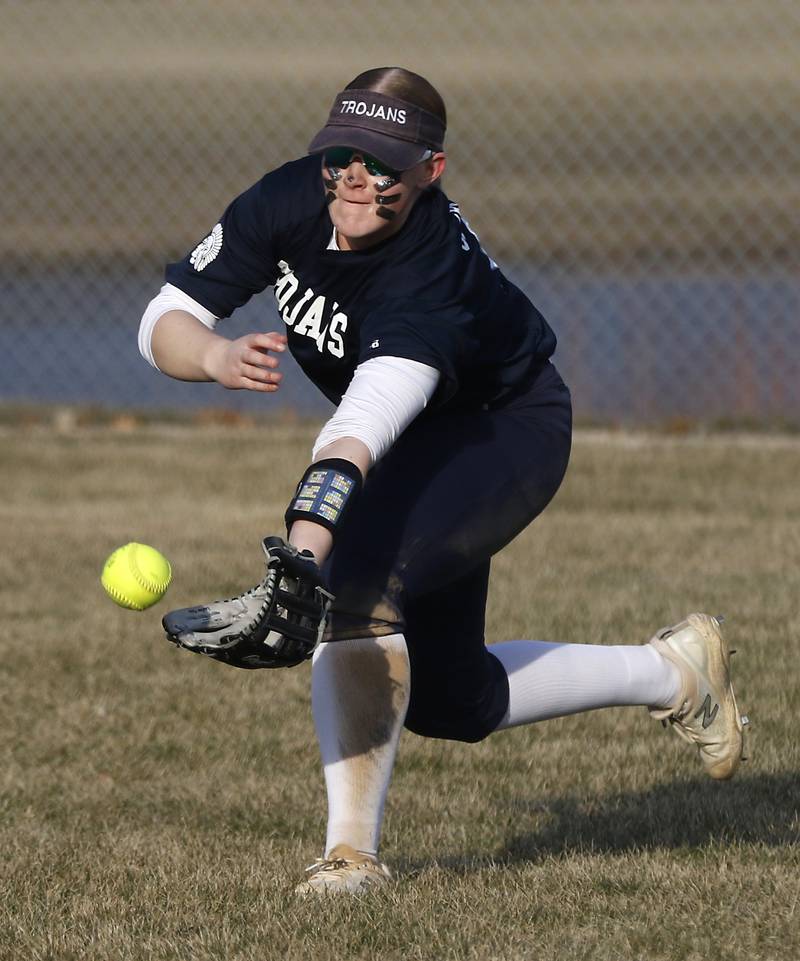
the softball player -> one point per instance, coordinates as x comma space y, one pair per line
451, 434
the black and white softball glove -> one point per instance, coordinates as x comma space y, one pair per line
276, 624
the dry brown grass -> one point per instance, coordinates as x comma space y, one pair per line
158, 806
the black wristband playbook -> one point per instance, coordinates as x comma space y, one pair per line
325, 493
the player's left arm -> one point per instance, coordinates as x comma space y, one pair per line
385, 395
280, 622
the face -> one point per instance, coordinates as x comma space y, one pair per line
367, 202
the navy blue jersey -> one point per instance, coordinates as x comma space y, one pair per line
429, 293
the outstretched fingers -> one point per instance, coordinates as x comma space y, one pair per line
246, 363
258, 366
268, 341
251, 384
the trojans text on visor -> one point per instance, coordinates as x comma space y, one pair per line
363, 109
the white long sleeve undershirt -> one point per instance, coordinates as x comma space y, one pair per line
169, 298
384, 396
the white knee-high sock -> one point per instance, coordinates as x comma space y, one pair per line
550, 680
359, 695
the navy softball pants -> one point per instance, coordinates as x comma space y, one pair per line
413, 556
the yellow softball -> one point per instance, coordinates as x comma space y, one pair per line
136, 576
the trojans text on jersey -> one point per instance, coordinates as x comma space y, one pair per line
309, 314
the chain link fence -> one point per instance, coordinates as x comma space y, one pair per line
634, 166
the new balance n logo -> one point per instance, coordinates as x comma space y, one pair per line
707, 712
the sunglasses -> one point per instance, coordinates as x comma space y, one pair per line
343, 157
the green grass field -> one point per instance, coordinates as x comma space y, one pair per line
156, 805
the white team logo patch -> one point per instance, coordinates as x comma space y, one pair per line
207, 249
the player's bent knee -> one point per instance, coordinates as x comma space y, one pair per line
451, 724
445, 729
465, 705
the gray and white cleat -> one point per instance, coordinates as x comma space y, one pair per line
344, 871
706, 713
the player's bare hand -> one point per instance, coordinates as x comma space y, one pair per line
247, 363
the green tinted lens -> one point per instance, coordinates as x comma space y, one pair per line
343, 156
338, 157
376, 168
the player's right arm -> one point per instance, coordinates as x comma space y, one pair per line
183, 347
235, 260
